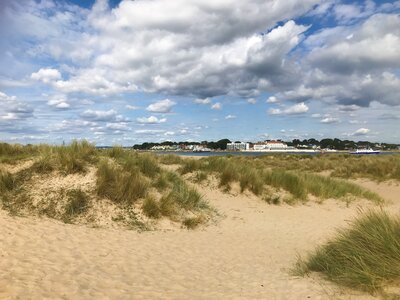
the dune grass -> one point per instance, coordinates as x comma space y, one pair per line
151, 208
365, 256
252, 174
77, 202
118, 185
375, 167
7, 182
170, 159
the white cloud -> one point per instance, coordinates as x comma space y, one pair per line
5, 97
272, 99
216, 106
46, 75
59, 102
132, 107
202, 101
163, 106
296, 109
252, 101
151, 120
329, 120
102, 115
149, 131
361, 131
228, 117
118, 126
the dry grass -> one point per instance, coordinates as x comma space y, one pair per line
365, 256
254, 175
118, 185
151, 208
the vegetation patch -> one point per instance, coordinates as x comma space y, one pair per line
365, 256
77, 203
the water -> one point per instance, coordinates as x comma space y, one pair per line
237, 153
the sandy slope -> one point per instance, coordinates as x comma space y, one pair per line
246, 256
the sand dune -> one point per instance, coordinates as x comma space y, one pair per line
247, 255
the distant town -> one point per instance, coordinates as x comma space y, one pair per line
267, 145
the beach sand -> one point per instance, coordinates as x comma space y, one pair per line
246, 255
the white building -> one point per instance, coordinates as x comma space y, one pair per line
237, 146
270, 145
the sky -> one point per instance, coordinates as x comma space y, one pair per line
128, 72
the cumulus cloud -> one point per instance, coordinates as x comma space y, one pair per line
202, 101
216, 106
228, 117
272, 99
132, 107
59, 102
329, 120
163, 106
103, 115
252, 100
46, 75
151, 120
12, 109
361, 131
296, 109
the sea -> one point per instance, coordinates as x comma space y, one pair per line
239, 153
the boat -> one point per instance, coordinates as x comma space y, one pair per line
365, 151
201, 149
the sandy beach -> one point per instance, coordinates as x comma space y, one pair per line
248, 254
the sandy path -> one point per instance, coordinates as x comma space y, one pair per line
246, 256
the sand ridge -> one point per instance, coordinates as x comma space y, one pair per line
247, 255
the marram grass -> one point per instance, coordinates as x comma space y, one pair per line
365, 256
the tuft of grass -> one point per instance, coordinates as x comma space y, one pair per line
170, 159
200, 176
252, 180
365, 256
193, 222
118, 185
44, 165
168, 206
77, 203
151, 208
272, 199
190, 165
7, 182
145, 163
74, 157
186, 197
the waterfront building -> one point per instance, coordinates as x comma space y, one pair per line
237, 146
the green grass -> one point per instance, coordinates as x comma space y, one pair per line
253, 174
186, 197
193, 222
365, 256
7, 182
118, 185
77, 203
151, 208
170, 159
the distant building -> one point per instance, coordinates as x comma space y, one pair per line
237, 146
270, 145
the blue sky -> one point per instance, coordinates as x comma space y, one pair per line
126, 72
